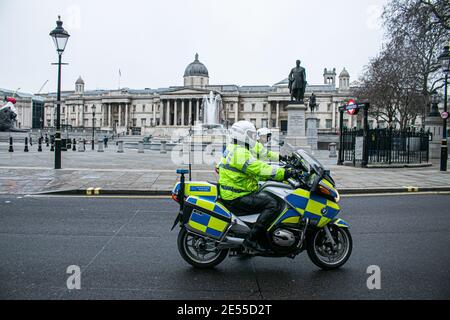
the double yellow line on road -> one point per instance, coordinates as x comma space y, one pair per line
93, 191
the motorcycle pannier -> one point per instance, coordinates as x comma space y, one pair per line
206, 217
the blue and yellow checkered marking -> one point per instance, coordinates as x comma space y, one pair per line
341, 223
210, 206
313, 206
200, 189
207, 224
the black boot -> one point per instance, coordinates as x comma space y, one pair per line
251, 242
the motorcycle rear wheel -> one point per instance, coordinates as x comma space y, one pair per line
198, 251
320, 251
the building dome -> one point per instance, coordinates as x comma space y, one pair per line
196, 68
79, 81
345, 74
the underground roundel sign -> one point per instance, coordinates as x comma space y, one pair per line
351, 107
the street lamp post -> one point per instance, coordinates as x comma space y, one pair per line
444, 59
60, 37
93, 126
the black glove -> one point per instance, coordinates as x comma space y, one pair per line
289, 173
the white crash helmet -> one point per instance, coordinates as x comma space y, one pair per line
263, 132
244, 131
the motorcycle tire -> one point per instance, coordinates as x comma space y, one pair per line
313, 252
182, 248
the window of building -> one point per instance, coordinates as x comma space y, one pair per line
242, 107
63, 110
264, 107
85, 108
143, 108
143, 122
253, 107
73, 109
134, 121
329, 107
134, 108
264, 123
328, 123
253, 120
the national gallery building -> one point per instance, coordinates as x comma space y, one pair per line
158, 111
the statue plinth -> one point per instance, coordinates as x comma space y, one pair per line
296, 131
311, 131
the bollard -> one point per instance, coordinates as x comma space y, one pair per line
100, 146
31, 141
68, 144
141, 147
26, 145
332, 148
52, 148
11, 149
80, 146
46, 141
74, 145
163, 147
40, 144
120, 146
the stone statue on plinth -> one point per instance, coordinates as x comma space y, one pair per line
312, 102
297, 83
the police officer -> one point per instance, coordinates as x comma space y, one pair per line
239, 173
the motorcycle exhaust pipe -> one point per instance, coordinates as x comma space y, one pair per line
230, 242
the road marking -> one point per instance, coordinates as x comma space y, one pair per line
169, 197
411, 188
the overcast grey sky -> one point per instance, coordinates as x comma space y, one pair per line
243, 42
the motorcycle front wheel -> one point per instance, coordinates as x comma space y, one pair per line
321, 251
198, 251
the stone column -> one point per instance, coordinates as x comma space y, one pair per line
120, 115
278, 115
109, 116
269, 115
182, 112
190, 112
175, 112
154, 113
168, 112
333, 121
161, 112
197, 111
236, 112
126, 115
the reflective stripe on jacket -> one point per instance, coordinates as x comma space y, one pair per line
262, 153
239, 172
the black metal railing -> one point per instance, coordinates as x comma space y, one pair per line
386, 146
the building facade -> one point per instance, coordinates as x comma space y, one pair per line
157, 111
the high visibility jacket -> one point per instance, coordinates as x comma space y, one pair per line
262, 153
240, 171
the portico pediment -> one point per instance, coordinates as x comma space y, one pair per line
187, 91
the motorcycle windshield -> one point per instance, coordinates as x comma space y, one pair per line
311, 164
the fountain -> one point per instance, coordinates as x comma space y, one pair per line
211, 127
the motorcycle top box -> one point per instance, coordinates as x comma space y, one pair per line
206, 217
202, 189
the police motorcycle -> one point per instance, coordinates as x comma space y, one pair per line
308, 206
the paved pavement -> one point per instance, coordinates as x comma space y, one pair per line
126, 251
25, 173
